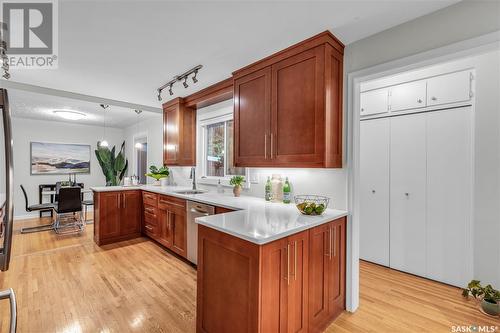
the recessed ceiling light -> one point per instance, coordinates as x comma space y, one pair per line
70, 115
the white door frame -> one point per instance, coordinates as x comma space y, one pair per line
469, 47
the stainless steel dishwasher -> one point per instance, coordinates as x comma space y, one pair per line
194, 210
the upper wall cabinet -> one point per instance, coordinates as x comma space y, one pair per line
288, 107
374, 102
454, 88
179, 134
407, 96
450, 88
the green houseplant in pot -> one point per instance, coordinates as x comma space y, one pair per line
237, 182
158, 173
489, 296
113, 166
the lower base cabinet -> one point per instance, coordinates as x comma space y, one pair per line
294, 284
165, 221
117, 216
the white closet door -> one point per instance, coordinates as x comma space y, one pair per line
407, 96
407, 194
374, 197
449, 187
374, 102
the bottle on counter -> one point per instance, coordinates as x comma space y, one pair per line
268, 189
277, 188
220, 189
287, 192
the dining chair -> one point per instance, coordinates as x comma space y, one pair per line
69, 204
33, 208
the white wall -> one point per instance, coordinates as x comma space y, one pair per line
464, 20
27, 130
152, 129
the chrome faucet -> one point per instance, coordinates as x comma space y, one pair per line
193, 177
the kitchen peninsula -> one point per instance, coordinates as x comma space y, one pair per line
261, 265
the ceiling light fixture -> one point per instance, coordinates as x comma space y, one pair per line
70, 115
103, 142
183, 77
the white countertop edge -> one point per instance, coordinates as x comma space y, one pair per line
241, 204
261, 241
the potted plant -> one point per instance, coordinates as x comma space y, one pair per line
158, 174
489, 296
113, 166
237, 182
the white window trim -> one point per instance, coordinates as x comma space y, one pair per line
218, 116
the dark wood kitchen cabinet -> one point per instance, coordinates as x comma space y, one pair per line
293, 284
117, 216
165, 221
326, 273
288, 107
179, 133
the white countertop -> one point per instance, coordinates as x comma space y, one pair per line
255, 220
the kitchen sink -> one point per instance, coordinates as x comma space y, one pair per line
190, 192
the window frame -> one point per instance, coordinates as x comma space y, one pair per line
203, 135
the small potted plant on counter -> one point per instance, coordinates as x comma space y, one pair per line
237, 182
158, 174
489, 297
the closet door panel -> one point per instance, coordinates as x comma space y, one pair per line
449, 88
408, 194
449, 186
374, 102
407, 96
374, 198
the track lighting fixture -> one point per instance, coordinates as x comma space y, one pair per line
183, 77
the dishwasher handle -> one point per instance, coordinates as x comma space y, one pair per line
199, 212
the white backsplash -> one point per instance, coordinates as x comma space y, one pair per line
328, 182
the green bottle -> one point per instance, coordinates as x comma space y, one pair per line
287, 192
268, 189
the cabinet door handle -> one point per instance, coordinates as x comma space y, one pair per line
150, 210
419, 100
265, 146
288, 263
326, 243
295, 260
272, 145
124, 201
333, 241
434, 98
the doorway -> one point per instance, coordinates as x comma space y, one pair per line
141, 158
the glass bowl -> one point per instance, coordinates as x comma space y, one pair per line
311, 204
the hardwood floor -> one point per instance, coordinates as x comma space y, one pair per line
69, 284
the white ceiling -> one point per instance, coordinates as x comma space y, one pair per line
38, 106
124, 50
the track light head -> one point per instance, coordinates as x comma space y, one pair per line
104, 106
159, 95
6, 75
170, 89
185, 82
195, 80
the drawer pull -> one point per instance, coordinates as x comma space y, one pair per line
149, 210
148, 227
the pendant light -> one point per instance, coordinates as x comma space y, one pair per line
103, 142
138, 145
